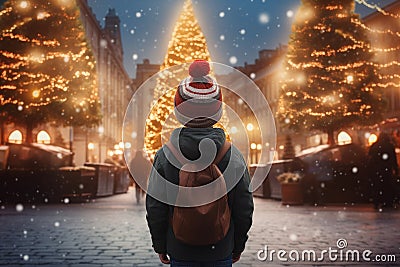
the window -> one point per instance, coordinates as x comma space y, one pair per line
43, 138
15, 137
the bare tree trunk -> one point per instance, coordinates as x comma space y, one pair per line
331, 137
29, 132
2, 137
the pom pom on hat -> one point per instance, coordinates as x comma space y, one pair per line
199, 68
198, 100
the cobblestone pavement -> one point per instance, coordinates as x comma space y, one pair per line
112, 232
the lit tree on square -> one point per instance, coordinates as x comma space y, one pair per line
330, 81
47, 71
188, 43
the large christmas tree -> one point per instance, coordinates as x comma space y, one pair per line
187, 44
47, 71
330, 82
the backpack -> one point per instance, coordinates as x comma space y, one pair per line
206, 224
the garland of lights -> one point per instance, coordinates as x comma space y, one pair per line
331, 83
376, 7
43, 69
187, 44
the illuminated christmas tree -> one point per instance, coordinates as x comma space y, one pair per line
330, 81
187, 44
47, 71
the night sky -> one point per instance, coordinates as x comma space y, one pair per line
235, 29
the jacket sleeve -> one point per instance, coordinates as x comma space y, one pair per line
242, 212
157, 211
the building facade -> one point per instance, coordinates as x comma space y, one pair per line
114, 86
139, 109
384, 35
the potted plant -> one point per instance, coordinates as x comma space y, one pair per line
291, 188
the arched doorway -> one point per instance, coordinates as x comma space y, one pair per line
344, 138
43, 138
15, 137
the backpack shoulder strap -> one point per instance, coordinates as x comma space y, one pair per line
176, 153
221, 153
182, 160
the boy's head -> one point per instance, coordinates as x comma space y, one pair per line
198, 99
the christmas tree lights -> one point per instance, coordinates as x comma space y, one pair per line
47, 71
330, 80
187, 44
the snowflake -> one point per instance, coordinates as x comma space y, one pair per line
233, 60
19, 207
263, 18
293, 237
289, 13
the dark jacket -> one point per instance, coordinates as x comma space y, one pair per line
239, 199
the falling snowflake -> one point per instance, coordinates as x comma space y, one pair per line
57, 224
263, 18
138, 14
222, 37
20, 108
289, 13
385, 156
354, 169
233, 60
19, 207
103, 43
293, 237
221, 14
25, 257
135, 56
252, 75
132, 31
242, 31
66, 200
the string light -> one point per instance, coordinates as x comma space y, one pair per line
376, 7
343, 85
187, 44
34, 79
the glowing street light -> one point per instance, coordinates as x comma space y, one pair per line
253, 146
90, 146
372, 139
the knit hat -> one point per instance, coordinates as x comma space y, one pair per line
198, 100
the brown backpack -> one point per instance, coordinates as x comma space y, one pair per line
206, 224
